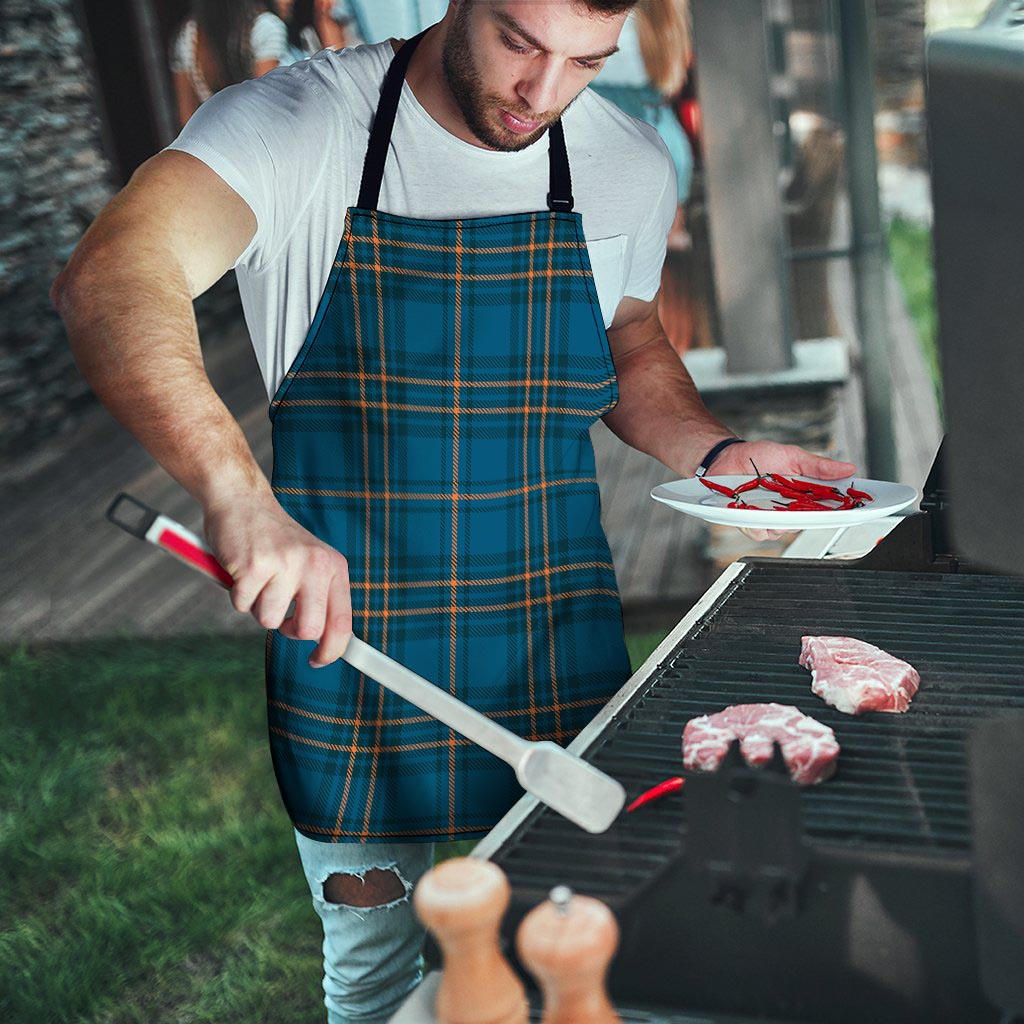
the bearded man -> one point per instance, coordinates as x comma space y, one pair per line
449, 253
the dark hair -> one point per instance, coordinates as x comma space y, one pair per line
224, 26
300, 18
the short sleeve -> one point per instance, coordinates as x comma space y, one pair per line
269, 139
269, 38
181, 51
651, 241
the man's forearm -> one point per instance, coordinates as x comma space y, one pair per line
133, 333
660, 411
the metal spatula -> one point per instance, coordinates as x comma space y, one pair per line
567, 784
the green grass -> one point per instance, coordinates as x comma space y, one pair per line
147, 868
910, 246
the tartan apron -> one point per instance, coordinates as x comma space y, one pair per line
434, 428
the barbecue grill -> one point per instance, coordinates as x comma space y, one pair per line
894, 892
746, 896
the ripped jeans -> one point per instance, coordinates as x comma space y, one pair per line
372, 953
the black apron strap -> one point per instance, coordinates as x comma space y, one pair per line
560, 194
383, 122
560, 185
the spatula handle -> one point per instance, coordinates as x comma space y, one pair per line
436, 702
147, 524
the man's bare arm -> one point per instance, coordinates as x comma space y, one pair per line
126, 300
661, 412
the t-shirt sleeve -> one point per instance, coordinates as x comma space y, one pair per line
269, 139
269, 38
651, 240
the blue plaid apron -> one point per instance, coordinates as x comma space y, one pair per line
434, 428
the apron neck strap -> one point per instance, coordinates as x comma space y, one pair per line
559, 197
560, 194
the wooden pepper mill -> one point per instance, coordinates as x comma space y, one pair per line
567, 943
462, 902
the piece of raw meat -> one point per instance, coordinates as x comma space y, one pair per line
809, 748
855, 677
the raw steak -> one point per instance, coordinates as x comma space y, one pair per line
809, 748
855, 677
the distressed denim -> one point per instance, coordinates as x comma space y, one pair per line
372, 955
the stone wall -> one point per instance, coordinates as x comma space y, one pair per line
54, 178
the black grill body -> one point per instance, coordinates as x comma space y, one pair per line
745, 895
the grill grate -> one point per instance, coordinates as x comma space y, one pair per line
902, 779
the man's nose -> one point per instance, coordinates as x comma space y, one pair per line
539, 91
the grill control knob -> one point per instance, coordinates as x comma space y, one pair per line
462, 901
567, 943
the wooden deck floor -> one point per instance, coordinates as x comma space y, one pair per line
71, 574
76, 575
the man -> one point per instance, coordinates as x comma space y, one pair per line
433, 379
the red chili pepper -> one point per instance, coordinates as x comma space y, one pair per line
863, 495
788, 492
808, 487
656, 793
773, 485
720, 488
793, 485
750, 485
806, 505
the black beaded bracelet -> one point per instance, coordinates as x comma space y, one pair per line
705, 463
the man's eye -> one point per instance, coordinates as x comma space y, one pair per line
513, 46
590, 65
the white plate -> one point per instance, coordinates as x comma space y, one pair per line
693, 498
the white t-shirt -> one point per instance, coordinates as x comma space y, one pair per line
292, 144
268, 40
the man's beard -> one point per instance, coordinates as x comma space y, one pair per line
464, 83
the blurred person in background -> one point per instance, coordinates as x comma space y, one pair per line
371, 21
647, 75
223, 42
313, 25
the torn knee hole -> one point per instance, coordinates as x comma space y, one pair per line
372, 889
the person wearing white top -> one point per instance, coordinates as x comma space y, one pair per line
223, 43
314, 25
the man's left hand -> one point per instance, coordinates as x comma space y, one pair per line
771, 457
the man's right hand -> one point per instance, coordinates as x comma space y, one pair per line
275, 561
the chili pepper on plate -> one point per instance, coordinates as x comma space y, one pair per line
808, 487
720, 488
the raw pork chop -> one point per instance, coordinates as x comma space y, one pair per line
809, 748
855, 677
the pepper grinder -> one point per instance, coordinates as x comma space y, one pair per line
462, 901
567, 943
